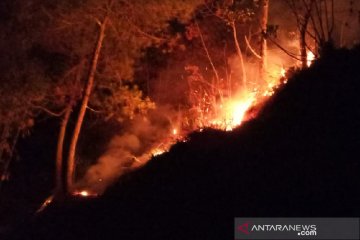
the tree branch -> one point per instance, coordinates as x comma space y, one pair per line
309, 9
55, 114
207, 52
319, 15
93, 110
332, 17
238, 50
251, 49
286, 51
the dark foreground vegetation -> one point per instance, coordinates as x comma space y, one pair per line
300, 157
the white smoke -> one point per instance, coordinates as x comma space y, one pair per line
129, 150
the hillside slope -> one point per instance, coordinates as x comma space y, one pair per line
300, 157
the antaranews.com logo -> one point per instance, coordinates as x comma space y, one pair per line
297, 228
301, 230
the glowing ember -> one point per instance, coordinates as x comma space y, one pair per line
85, 194
157, 151
174, 131
45, 204
310, 58
269, 91
283, 72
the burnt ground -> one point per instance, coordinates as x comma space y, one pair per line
300, 157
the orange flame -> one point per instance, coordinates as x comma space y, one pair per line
227, 115
310, 58
232, 112
157, 151
283, 72
84, 193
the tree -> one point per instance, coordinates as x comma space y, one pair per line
243, 15
127, 30
23, 81
233, 13
57, 43
264, 12
315, 20
84, 104
302, 16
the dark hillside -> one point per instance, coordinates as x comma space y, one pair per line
300, 157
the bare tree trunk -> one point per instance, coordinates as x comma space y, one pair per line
208, 54
228, 75
264, 6
60, 189
303, 48
59, 184
303, 30
88, 88
238, 50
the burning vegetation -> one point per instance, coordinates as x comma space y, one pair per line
210, 108
157, 70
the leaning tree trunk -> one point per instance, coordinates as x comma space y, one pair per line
88, 88
60, 189
239, 52
59, 183
264, 9
208, 54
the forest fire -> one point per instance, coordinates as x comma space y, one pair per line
212, 104
226, 115
124, 85
230, 113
